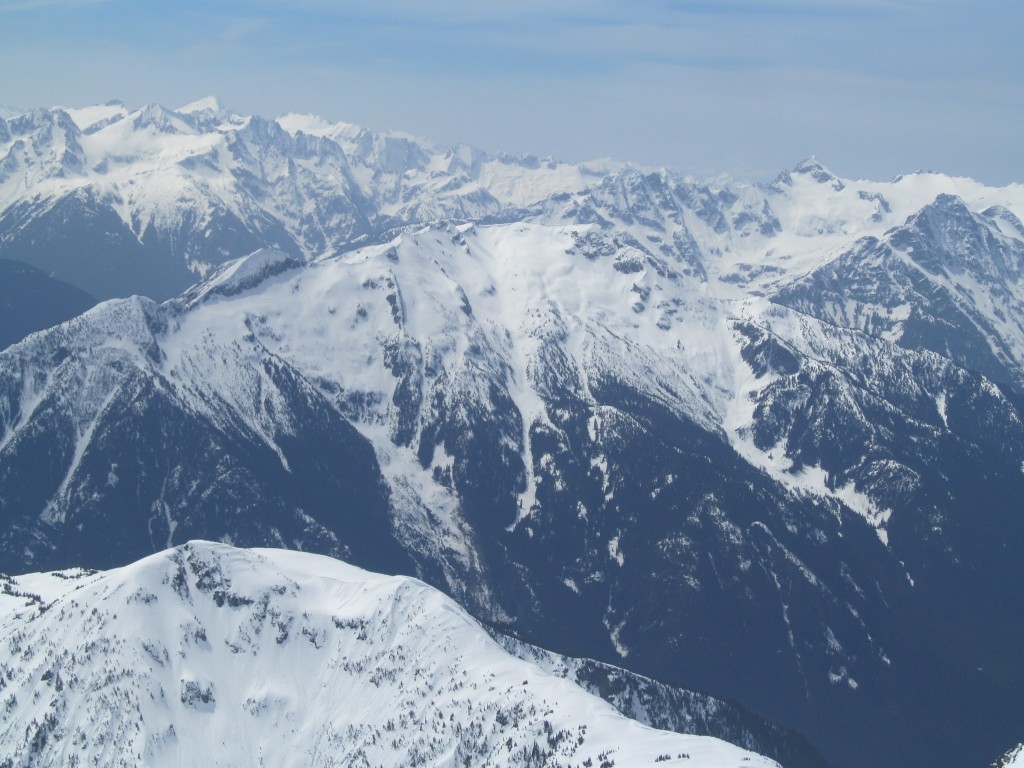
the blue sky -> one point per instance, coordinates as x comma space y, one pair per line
873, 87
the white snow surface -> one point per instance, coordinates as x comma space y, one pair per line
87, 117
207, 654
1013, 759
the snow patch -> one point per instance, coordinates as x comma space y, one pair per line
615, 634
614, 552
940, 405
812, 481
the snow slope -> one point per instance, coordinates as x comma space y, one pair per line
1012, 759
220, 656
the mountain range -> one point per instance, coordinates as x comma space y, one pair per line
760, 440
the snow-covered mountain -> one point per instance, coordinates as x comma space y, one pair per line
765, 441
948, 280
211, 655
148, 201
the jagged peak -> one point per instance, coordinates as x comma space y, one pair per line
947, 236
945, 208
162, 119
810, 164
263, 130
948, 202
42, 117
813, 167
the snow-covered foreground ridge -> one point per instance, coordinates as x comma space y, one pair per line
207, 654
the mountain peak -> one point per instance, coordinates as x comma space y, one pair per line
208, 103
309, 124
945, 211
161, 120
814, 168
948, 202
946, 237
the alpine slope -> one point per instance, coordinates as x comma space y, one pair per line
761, 440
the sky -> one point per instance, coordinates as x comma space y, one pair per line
873, 88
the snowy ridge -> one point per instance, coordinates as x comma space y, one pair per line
661, 706
202, 185
225, 656
241, 274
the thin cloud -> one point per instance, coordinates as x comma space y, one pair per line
873, 86
237, 30
6, 6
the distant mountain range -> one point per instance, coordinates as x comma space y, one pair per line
765, 441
